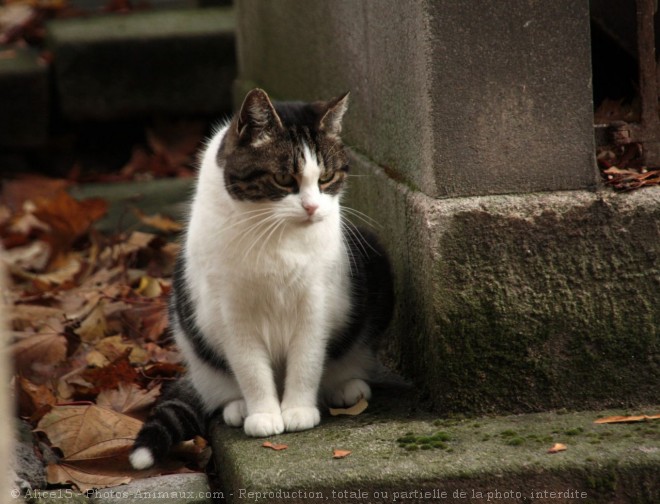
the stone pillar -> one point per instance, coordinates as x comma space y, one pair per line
456, 98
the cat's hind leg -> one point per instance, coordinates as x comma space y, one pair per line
345, 379
235, 412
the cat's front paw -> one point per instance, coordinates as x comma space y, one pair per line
263, 424
349, 393
300, 418
234, 413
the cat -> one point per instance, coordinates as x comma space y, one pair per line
278, 301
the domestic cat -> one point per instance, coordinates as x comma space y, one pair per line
278, 301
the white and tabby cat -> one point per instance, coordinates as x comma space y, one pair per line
278, 303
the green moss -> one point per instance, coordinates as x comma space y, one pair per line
425, 442
515, 441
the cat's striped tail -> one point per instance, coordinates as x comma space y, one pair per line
178, 416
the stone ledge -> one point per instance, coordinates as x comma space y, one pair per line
168, 62
603, 463
521, 303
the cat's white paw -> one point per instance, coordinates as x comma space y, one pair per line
263, 424
300, 418
235, 412
349, 393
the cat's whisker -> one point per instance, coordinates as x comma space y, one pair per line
369, 221
249, 231
349, 254
351, 229
267, 223
247, 219
265, 242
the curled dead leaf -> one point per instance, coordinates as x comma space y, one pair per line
340, 453
626, 419
356, 409
274, 446
114, 347
158, 221
149, 287
33, 398
557, 447
94, 326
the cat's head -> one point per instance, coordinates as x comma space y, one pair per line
286, 155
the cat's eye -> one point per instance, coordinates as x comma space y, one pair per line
326, 178
284, 179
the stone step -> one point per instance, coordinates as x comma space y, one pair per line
158, 62
489, 459
165, 196
24, 99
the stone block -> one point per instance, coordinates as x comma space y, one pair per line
512, 101
24, 100
521, 302
453, 98
159, 62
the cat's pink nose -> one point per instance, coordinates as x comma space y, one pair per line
310, 208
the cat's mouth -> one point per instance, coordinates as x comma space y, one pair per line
308, 220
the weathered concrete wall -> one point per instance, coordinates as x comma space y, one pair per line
521, 303
454, 98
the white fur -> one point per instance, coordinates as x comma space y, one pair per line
269, 284
142, 458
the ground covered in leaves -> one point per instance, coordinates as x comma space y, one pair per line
89, 331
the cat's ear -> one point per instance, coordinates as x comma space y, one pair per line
257, 120
332, 116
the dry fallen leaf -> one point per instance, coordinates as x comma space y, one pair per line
128, 398
68, 219
32, 397
158, 221
626, 419
340, 453
87, 477
84, 431
276, 447
557, 447
38, 349
114, 347
149, 287
94, 327
148, 320
356, 409
109, 377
